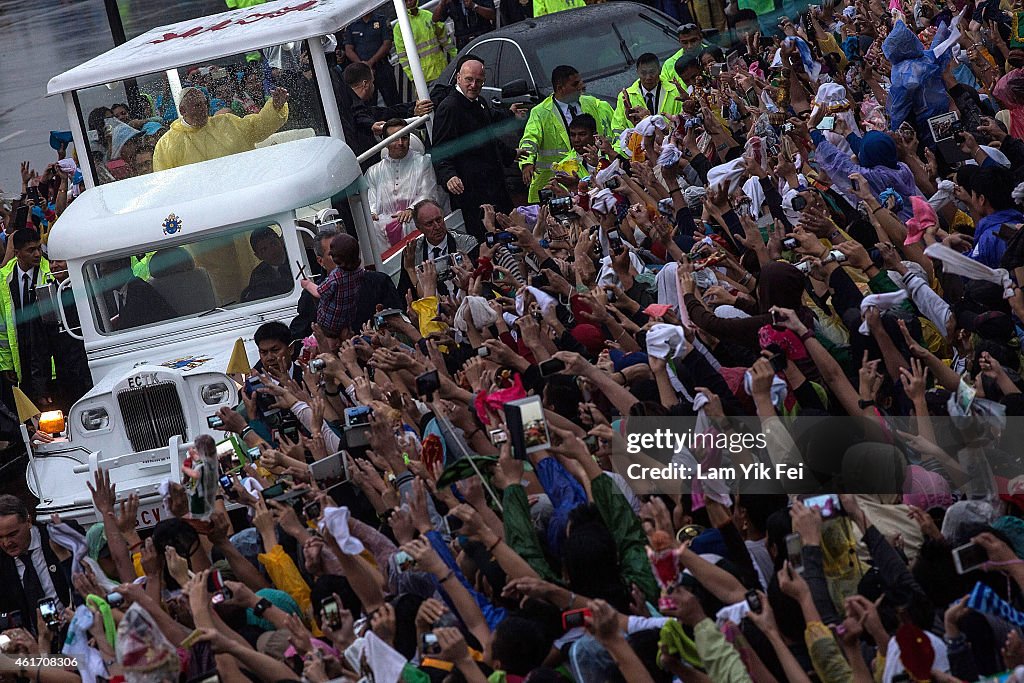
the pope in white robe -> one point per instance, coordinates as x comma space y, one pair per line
403, 177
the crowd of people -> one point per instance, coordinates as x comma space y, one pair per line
812, 239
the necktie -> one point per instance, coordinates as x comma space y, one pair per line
26, 290
650, 102
437, 252
30, 580
572, 113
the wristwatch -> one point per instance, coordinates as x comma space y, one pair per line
862, 404
262, 606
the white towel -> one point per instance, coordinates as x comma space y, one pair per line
728, 174
603, 201
883, 302
667, 341
605, 174
651, 123
944, 195
959, 264
778, 391
335, 521
734, 613
730, 312
544, 300
606, 275
670, 155
752, 188
90, 661
474, 310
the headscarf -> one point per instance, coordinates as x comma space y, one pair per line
781, 284
878, 149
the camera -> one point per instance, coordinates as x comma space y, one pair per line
790, 243
804, 267
799, 203
264, 402
562, 205
504, 237
546, 195
214, 421
317, 365
612, 183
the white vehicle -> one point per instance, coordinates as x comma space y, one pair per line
157, 383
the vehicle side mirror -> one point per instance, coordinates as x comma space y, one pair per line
516, 88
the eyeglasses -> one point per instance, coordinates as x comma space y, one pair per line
686, 28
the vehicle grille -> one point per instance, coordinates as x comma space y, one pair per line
152, 414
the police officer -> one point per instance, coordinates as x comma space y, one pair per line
472, 18
368, 39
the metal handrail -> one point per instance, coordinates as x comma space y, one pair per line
411, 125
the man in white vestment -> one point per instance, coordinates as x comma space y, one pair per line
402, 178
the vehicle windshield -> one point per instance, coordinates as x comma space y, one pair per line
604, 52
189, 279
231, 111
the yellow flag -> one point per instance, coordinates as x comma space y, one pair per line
26, 408
238, 364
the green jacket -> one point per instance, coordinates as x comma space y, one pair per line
668, 103
542, 7
432, 45
668, 69
546, 137
616, 514
10, 359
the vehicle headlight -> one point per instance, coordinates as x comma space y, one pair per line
214, 394
95, 418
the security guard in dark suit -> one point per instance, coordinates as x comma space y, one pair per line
368, 39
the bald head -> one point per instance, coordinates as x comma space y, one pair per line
345, 252
471, 77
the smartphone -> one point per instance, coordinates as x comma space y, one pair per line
794, 546
275, 491
778, 361
429, 644
483, 352
790, 243
214, 421
575, 618
330, 614
312, 510
827, 123
21, 217
404, 561
969, 557
552, 366
115, 599
799, 203
229, 490
775, 320
33, 193
527, 427
428, 383
48, 612
591, 442
540, 281
614, 241
497, 436
855, 184
828, 504
716, 69
754, 602
215, 585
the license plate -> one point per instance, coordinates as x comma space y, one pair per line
150, 514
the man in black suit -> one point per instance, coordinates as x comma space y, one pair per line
34, 348
131, 301
29, 568
361, 119
472, 172
349, 296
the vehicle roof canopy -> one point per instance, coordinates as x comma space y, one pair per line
230, 190
199, 40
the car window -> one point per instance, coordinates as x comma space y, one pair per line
594, 50
642, 35
512, 68
488, 52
